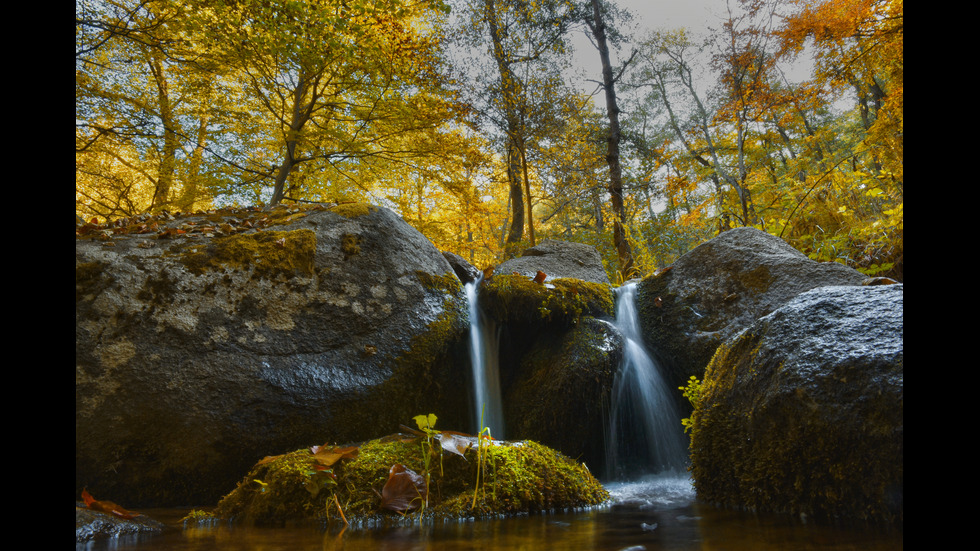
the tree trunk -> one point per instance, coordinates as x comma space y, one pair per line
623, 249
168, 156
508, 84
298, 119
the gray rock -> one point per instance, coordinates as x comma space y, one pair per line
803, 412
719, 288
199, 353
465, 271
558, 259
94, 525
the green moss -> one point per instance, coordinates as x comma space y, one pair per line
353, 210
516, 298
446, 283
757, 280
268, 253
350, 245
520, 477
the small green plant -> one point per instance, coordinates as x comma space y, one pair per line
426, 424
692, 391
481, 458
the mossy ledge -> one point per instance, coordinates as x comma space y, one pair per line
514, 298
519, 477
269, 253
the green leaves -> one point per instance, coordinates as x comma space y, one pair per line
426, 423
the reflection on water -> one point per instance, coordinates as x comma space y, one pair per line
656, 513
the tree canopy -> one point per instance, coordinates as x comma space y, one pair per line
466, 119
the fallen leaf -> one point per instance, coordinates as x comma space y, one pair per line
540, 277
404, 491
327, 456
107, 507
267, 459
455, 442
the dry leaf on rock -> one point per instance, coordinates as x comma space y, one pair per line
404, 491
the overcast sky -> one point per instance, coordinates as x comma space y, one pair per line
649, 15
671, 14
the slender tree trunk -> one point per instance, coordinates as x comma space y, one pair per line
191, 192
623, 248
527, 193
168, 156
508, 87
300, 115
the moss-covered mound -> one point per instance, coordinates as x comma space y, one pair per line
510, 298
368, 482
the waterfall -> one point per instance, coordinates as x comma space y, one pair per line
645, 434
484, 346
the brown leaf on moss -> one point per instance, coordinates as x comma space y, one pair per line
404, 491
327, 456
267, 459
540, 277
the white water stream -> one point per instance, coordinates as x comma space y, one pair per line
484, 349
645, 433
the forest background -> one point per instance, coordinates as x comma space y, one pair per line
477, 122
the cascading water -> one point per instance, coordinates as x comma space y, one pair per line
645, 435
484, 345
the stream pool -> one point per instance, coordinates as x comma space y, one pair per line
656, 513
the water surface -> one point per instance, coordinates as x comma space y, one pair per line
655, 513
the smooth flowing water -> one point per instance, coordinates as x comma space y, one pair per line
645, 432
484, 349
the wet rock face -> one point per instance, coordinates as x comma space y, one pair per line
94, 525
561, 390
721, 287
803, 412
199, 353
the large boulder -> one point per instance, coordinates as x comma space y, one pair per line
803, 411
720, 287
203, 343
558, 259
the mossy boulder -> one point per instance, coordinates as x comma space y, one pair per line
206, 341
803, 412
518, 300
517, 477
718, 289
